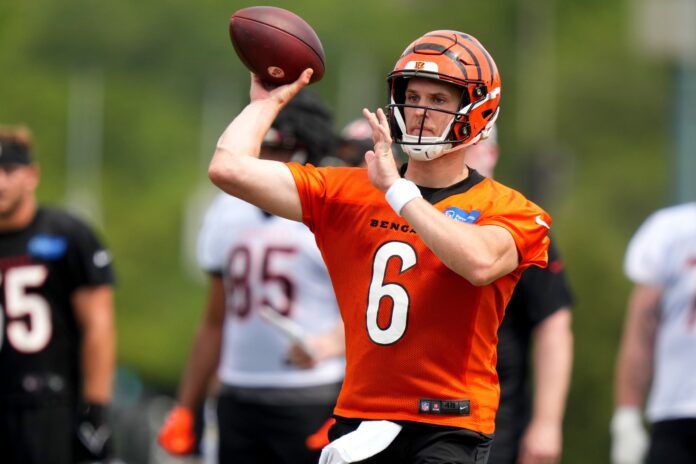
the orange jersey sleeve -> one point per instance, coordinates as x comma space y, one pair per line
420, 339
311, 187
527, 223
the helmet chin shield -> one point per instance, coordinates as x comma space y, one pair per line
420, 147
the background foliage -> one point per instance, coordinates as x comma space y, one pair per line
584, 131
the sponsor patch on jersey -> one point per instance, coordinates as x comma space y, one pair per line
460, 215
47, 247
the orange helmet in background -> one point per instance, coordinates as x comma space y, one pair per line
453, 58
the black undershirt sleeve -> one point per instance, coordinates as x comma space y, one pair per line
546, 290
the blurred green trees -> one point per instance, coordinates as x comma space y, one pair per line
584, 130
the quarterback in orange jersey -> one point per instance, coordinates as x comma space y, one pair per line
423, 259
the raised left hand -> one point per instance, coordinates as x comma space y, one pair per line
381, 166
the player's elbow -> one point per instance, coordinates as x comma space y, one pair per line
222, 174
482, 271
480, 278
485, 266
216, 173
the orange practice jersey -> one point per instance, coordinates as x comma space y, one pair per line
420, 339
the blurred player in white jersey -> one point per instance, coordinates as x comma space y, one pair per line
272, 325
658, 349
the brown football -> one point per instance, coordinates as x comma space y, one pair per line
276, 44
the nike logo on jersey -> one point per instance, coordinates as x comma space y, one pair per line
460, 215
47, 247
541, 222
101, 258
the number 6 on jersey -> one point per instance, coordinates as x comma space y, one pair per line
397, 293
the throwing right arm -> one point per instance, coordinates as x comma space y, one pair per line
235, 167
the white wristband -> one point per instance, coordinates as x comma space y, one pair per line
401, 192
626, 417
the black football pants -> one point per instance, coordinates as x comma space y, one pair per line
673, 442
425, 444
257, 433
37, 435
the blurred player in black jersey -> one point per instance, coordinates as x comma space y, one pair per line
56, 323
537, 325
